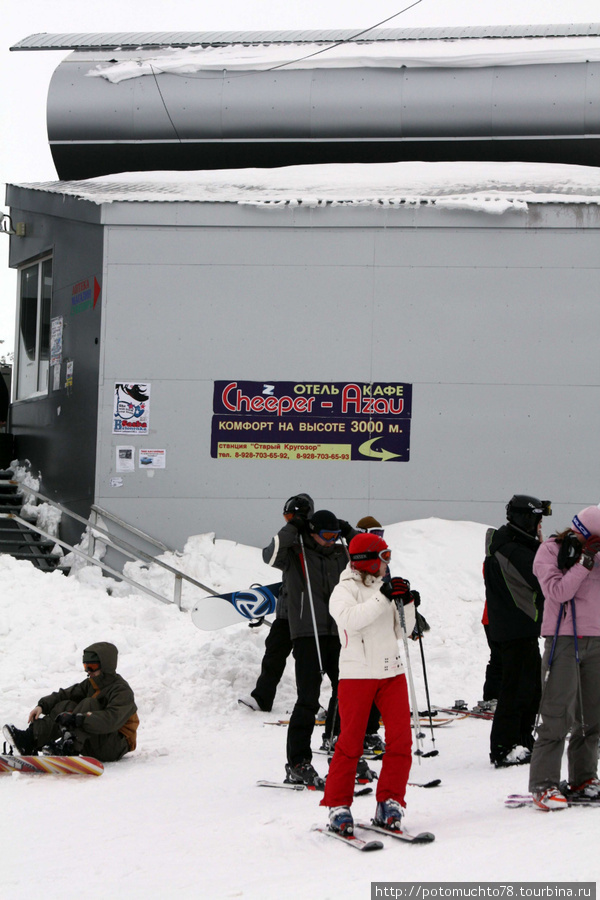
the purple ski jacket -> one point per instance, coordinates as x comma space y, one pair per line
578, 583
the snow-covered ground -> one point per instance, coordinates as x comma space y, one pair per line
182, 816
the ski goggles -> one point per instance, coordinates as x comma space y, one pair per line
376, 531
329, 536
384, 555
91, 667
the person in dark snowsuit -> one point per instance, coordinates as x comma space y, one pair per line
96, 717
318, 568
515, 607
278, 643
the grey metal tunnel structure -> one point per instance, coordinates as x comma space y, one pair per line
541, 112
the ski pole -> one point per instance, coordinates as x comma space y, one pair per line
411, 686
578, 664
420, 637
547, 674
311, 604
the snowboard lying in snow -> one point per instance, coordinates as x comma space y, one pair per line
51, 765
222, 610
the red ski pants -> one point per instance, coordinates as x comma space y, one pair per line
355, 697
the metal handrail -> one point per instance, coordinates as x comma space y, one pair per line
117, 544
147, 537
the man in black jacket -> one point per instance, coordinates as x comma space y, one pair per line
312, 559
515, 606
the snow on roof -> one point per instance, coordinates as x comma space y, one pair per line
387, 54
491, 187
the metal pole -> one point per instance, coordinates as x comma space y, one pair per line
312, 606
411, 687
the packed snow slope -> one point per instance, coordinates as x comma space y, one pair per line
182, 816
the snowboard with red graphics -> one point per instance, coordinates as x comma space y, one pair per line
51, 765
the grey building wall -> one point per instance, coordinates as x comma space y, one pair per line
494, 320
57, 432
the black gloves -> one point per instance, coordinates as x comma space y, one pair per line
589, 550
299, 523
345, 528
70, 720
397, 589
416, 598
569, 552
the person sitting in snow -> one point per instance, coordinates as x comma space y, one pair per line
96, 717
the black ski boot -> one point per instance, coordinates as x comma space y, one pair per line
22, 741
304, 773
364, 775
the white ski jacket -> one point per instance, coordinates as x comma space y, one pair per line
369, 627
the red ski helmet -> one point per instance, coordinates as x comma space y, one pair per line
367, 551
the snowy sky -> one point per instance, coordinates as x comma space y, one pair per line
24, 153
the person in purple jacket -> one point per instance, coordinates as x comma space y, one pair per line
567, 567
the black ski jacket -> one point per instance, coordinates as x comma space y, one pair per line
323, 565
515, 602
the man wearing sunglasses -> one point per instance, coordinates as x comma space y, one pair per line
311, 556
95, 717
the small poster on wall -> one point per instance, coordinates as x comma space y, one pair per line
153, 459
125, 459
131, 411
56, 341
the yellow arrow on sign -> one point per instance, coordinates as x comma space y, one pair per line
367, 450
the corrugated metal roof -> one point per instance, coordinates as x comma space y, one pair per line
128, 40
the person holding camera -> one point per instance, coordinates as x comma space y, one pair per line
309, 554
568, 569
515, 605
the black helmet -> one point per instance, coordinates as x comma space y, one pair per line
525, 512
299, 505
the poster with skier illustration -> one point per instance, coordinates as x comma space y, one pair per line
131, 411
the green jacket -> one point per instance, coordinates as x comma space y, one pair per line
107, 699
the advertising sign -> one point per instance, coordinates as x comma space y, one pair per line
317, 421
131, 408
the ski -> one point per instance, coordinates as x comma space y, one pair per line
287, 722
424, 837
515, 801
430, 784
51, 765
291, 786
463, 712
351, 839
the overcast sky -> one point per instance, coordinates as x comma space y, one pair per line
24, 77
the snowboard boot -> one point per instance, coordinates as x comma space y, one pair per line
518, 756
251, 703
364, 775
549, 799
373, 745
66, 745
304, 773
340, 820
389, 815
22, 741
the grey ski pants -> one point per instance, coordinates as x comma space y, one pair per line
560, 713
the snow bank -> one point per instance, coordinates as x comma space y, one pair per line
182, 817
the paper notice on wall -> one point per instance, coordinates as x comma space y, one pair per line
56, 377
131, 409
56, 340
69, 375
125, 459
153, 459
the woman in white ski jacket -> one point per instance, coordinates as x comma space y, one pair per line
370, 671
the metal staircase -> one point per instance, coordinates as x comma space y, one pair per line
25, 540
16, 536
